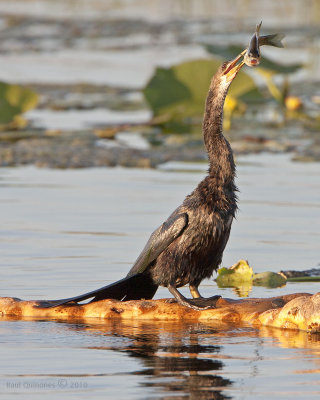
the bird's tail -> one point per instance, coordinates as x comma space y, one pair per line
135, 287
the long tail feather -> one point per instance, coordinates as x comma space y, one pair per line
135, 287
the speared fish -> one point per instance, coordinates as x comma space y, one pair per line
252, 53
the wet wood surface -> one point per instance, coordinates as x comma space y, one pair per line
300, 311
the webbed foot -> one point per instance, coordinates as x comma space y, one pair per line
198, 304
205, 302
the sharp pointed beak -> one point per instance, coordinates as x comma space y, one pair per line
233, 68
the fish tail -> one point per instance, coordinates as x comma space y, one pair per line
272, 40
258, 28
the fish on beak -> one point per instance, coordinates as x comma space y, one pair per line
233, 68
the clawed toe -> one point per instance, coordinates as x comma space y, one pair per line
205, 303
201, 303
171, 301
198, 304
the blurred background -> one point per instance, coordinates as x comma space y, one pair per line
123, 82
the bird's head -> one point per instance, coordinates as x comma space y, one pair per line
228, 71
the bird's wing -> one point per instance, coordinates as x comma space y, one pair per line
159, 240
136, 285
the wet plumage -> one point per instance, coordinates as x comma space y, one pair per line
189, 245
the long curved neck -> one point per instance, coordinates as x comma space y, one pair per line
219, 151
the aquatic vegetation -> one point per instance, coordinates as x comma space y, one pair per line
241, 277
269, 279
267, 69
237, 274
176, 95
14, 101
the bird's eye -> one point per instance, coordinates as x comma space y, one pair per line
225, 65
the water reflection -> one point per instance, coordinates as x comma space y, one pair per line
288, 338
162, 360
175, 358
204, 361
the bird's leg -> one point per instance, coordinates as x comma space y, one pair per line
183, 300
194, 291
203, 304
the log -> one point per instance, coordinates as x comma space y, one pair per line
299, 311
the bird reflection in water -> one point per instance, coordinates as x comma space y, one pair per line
176, 358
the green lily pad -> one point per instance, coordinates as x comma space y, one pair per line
269, 279
14, 101
235, 276
177, 95
241, 277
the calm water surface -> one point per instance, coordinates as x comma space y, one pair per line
65, 232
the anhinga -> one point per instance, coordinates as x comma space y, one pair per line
188, 246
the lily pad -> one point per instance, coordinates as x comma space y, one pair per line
236, 275
177, 95
14, 101
242, 274
269, 279
239, 277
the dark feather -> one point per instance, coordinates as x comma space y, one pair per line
188, 247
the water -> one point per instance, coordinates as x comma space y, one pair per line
66, 232
162, 361
65, 43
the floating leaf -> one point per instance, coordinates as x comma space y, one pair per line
236, 275
177, 94
164, 89
269, 279
239, 276
14, 101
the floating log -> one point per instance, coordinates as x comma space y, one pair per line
299, 311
